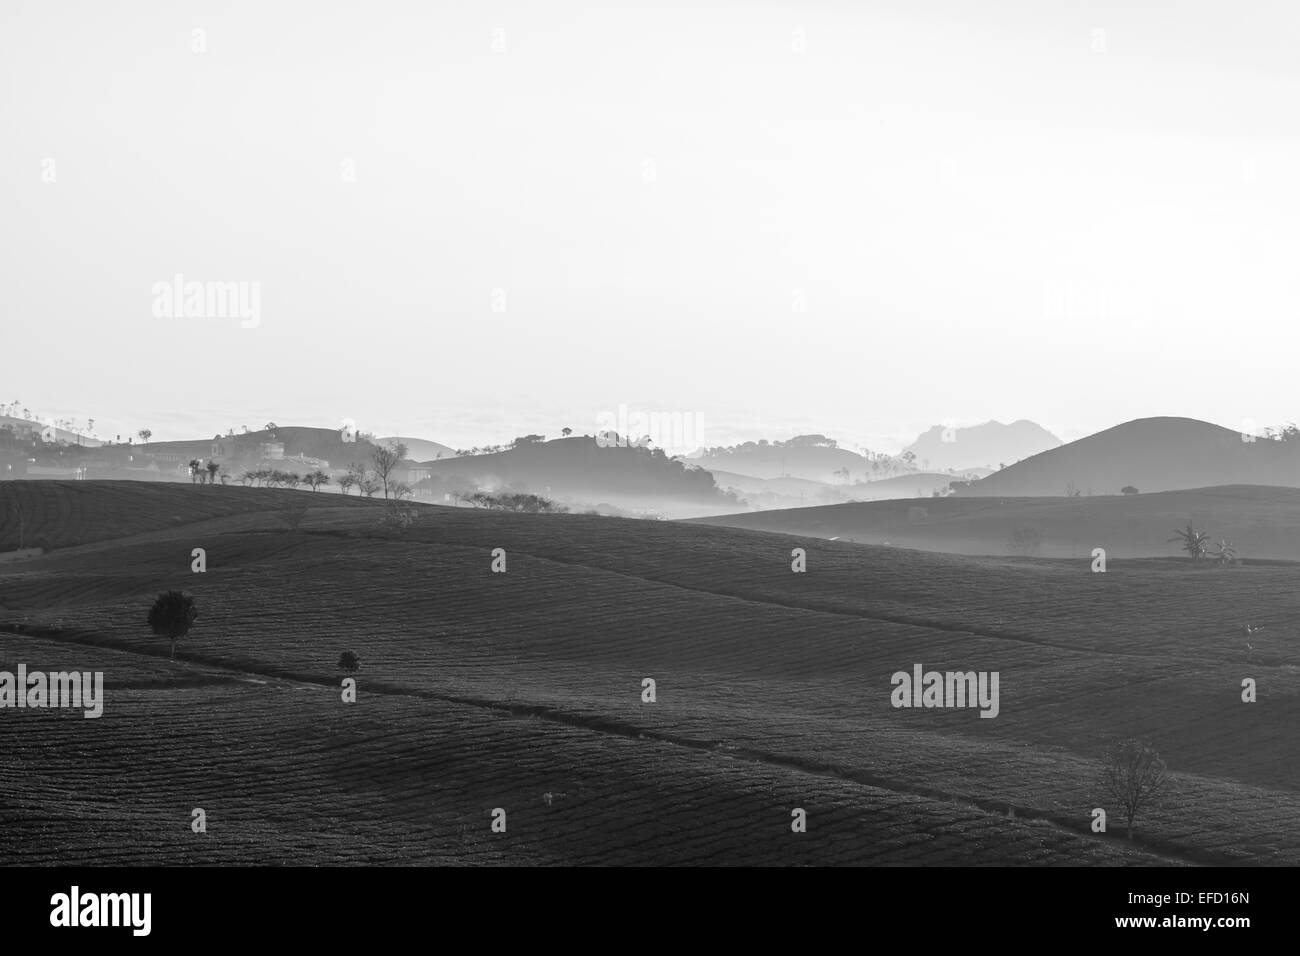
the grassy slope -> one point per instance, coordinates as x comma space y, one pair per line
1262, 522
482, 690
61, 513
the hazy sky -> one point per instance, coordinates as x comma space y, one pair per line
471, 220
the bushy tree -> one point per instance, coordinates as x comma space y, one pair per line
171, 616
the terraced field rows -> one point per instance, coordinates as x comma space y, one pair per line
781, 679
286, 775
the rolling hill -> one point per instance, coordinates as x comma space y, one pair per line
1263, 523
1150, 454
524, 691
327, 444
59, 514
981, 446
584, 470
770, 493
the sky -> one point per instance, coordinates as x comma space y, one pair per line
471, 221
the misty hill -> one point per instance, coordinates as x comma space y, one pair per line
763, 493
812, 457
1262, 522
1150, 454
748, 484
583, 469
420, 449
981, 446
921, 484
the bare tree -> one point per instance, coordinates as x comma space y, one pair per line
385, 460
315, 479
368, 486
356, 476
1133, 774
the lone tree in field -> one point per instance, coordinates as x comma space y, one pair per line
171, 616
1196, 543
385, 459
1128, 490
145, 434
1133, 774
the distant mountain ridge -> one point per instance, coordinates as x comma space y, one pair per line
981, 446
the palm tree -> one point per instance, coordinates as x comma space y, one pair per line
1195, 543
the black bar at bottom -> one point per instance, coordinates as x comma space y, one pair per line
333, 905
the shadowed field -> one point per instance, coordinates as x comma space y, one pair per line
1262, 522
480, 690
